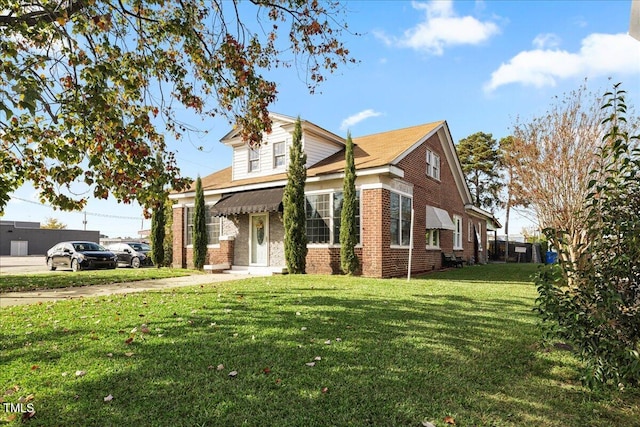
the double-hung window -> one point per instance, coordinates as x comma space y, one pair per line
433, 165
457, 232
213, 226
323, 213
254, 159
433, 238
400, 216
279, 156
318, 212
213, 223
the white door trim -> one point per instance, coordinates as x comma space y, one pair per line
252, 235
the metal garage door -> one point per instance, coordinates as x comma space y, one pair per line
19, 247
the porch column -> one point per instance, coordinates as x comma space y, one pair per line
373, 220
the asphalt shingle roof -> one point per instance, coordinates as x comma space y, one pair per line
371, 151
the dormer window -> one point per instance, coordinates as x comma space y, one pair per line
278, 155
254, 159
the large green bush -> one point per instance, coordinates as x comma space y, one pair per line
199, 237
594, 304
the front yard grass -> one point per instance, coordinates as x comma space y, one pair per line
67, 278
460, 346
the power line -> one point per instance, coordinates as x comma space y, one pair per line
137, 218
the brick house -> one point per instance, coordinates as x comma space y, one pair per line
415, 168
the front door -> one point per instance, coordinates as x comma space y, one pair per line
259, 239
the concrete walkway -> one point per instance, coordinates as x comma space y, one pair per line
33, 297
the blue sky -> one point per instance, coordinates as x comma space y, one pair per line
479, 65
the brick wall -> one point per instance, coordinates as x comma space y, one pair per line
375, 231
179, 250
441, 193
326, 260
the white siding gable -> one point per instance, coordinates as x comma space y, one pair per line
266, 162
315, 146
318, 149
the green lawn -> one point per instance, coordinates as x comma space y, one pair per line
462, 344
67, 278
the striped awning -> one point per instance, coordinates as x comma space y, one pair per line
267, 200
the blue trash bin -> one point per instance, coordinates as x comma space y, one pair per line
552, 257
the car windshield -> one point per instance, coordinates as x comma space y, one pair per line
140, 246
87, 246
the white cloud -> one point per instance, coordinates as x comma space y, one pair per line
546, 41
442, 28
357, 118
599, 55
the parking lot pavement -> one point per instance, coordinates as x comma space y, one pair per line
23, 264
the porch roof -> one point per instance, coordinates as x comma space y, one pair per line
267, 200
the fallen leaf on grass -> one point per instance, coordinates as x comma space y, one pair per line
81, 373
310, 363
128, 354
34, 367
144, 329
128, 340
108, 398
328, 342
11, 390
427, 424
266, 370
317, 358
325, 389
233, 374
450, 420
220, 367
26, 399
28, 415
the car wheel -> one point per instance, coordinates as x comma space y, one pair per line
50, 264
74, 265
135, 262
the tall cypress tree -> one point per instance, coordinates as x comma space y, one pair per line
168, 235
348, 236
158, 221
294, 219
199, 228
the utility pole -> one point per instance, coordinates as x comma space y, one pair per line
85, 220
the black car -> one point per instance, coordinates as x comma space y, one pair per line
80, 256
132, 254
